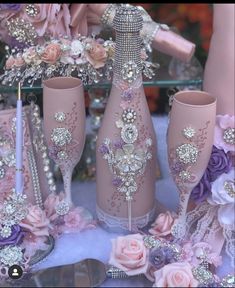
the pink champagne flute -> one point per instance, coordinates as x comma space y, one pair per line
64, 125
190, 140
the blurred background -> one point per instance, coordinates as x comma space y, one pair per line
193, 22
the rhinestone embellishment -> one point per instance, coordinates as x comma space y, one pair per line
189, 132
32, 10
21, 30
129, 133
229, 186
202, 275
10, 159
187, 153
185, 175
11, 255
229, 136
62, 208
14, 209
150, 242
130, 71
2, 172
228, 281
5, 232
61, 136
129, 115
60, 116
62, 155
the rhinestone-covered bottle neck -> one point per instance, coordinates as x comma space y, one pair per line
127, 23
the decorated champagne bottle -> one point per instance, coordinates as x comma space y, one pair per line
126, 143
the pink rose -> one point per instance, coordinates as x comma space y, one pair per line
223, 122
175, 275
77, 220
96, 54
51, 53
19, 61
162, 225
10, 62
51, 202
129, 254
36, 221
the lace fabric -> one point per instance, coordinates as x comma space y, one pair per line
202, 225
116, 223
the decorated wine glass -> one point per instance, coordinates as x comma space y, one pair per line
189, 140
64, 126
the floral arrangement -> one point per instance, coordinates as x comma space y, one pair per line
82, 57
165, 261
190, 262
46, 46
33, 226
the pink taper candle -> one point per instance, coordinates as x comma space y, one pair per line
19, 143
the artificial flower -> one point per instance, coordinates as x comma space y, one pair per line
129, 254
96, 54
224, 122
36, 221
51, 53
15, 238
162, 225
175, 275
219, 163
223, 195
50, 204
161, 256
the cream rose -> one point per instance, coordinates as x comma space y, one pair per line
36, 221
129, 254
51, 53
175, 275
162, 225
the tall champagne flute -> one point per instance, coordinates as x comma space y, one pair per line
190, 140
64, 125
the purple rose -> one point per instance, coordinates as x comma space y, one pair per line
161, 256
203, 189
219, 163
14, 6
15, 238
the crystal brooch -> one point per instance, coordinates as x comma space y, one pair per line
187, 153
61, 136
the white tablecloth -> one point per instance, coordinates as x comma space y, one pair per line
72, 248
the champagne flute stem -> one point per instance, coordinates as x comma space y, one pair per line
183, 205
67, 179
179, 228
